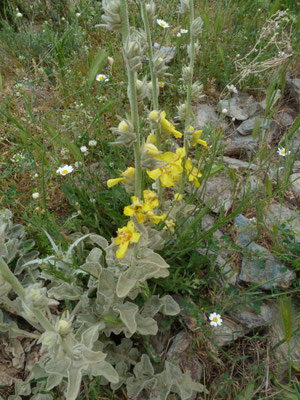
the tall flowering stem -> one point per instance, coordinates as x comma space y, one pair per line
154, 80
189, 85
133, 103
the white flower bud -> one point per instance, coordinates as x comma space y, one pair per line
35, 196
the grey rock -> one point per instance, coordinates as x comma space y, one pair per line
293, 86
182, 352
234, 109
238, 145
167, 53
285, 119
218, 193
262, 268
238, 165
246, 231
250, 319
296, 167
205, 114
246, 127
286, 353
255, 109
227, 333
277, 213
295, 184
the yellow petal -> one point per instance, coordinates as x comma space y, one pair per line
122, 250
135, 237
167, 180
130, 226
128, 211
113, 182
151, 139
129, 173
140, 217
154, 174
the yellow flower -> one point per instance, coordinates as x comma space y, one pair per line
151, 149
196, 137
155, 218
173, 158
137, 208
167, 126
178, 197
193, 173
128, 174
168, 174
151, 198
154, 115
125, 236
170, 225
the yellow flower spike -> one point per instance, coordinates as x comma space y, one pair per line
126, 235
138, 208
151, 139
150, 197
155, 218
167, 126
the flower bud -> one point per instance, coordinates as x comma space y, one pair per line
187, 74
181, 111
150, 10
154, 115
123, 126
141, 90
184, 7
64, 327
196, 92
133, 51
197, 26
159, 64
111, 17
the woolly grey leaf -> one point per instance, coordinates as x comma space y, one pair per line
128, 312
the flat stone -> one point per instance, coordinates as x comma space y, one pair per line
295, 184
237, 164
250, 319
234, 110
227, 333
277, 213
183, 353
262, 268
255, 109
246, 231
205, 114
238, 145
285, 119
296, 167
246, 128
218, 193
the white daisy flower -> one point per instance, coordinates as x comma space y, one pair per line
161, 84
232, 89
162, 23
224, 110
102, 78
93, 143
282, 152
83, 149
35, 196
215, 319
183, 30
19, 15
65, 170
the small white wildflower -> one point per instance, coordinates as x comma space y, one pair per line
64, 151
19, 15
178, 34
65, 170
63, 18
224, 110
78, 15
162, 23
282, 152
183, 30
36, 175
102, 78
93, 143
83, 149
276, 25
281, 53
77, 164
21, 58
161, 84
111, 164
253, 220
93, 200
215, 319
35, 196
232, 89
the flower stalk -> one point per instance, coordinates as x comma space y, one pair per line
133, 102
154, 80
